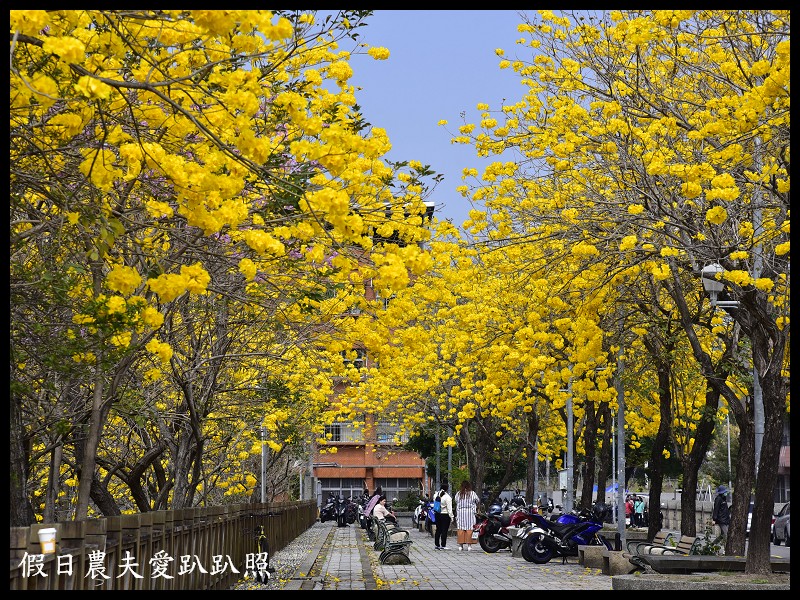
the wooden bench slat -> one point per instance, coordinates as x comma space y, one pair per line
661, 538
686, 545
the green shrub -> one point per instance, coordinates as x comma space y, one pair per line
708, 545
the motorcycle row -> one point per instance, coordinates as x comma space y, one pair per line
545, 532
343, 510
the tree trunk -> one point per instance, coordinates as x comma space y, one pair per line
532, 463
86, 465
606, 453
657, 453
694, 459
20, 509
745, 476
689, 502
768, 358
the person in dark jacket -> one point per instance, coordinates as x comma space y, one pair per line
721, 513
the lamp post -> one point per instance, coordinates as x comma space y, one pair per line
728, 423
620, 449
713, 288
569, 501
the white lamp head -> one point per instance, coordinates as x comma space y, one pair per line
710, 284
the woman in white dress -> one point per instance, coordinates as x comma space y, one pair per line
466, 505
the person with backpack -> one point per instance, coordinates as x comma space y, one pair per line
444, 517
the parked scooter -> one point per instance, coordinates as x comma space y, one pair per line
543, 539
351, 511
341, 511
419, 514
328, 512
518, 501
492, 531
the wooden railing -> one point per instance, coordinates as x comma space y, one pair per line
189, 549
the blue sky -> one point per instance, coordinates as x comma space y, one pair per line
442, 63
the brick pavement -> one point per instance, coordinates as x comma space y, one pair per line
346, 560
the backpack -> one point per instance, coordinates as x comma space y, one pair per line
437, 504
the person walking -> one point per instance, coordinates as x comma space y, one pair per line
721, 513
629, 510
443, 518
466, 504
638, 511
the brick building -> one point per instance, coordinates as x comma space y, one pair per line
367, 458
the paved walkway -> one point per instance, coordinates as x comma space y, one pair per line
344, 559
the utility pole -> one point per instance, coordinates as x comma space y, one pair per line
569, 501
620, 448
438, 462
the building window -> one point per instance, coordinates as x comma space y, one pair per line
360, 357
347, 487
399, 487
385, 433
334, 432
383, 300
343, 431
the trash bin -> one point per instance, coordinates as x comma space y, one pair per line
47, 540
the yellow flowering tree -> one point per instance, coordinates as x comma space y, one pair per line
660, 138
167, 162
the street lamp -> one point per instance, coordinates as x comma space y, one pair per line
570, 500
713, 287
568, 493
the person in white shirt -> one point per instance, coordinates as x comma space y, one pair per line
382, 513
443, 518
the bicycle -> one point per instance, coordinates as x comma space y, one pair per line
257, 563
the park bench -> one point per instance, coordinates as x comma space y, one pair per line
697, 563
393, 542
661, 538
687, 545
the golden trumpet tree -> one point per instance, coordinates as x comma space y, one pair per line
179, 177
658, 139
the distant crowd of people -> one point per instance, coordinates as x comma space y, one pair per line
635, 510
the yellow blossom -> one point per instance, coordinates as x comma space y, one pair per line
123, 279
197, 278
248, 268
378, 53
717, 215
93, 88
151, 317
764, 284
121, 340
68, 49
161, 349
116, 304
